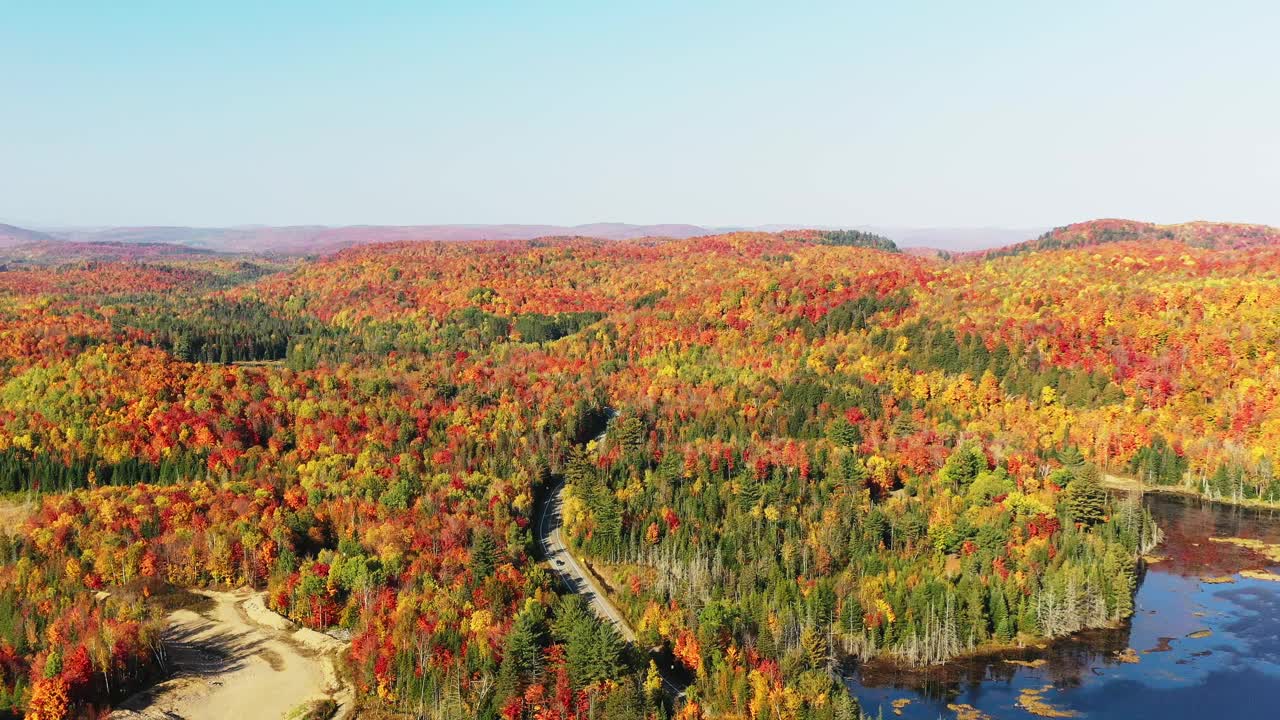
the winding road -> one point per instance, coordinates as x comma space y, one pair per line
577, 579
566, 567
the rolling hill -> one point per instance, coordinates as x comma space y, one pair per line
1211, 235
299, 240
12, 235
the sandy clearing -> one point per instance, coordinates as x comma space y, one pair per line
13, 513
1117, 482
239, 660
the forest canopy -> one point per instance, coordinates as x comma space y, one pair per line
778, 451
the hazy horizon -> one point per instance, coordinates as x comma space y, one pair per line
956, 238
940, 238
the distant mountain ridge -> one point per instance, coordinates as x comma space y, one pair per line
321, 239
57, 252
12, 235
308, 239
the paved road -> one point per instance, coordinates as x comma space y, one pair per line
569, 570
576, 579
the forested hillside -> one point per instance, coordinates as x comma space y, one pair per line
814, 448
1210, 235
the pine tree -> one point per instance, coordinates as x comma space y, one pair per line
484, 553
507, 684
522, 649
852, 471
814, 648
964, 464
1084, 498
1000, 613
182, 348
851, 616
630, 434
622, 703
1071, 458
844, 707
580, 471
765, 644
1120, 573
570, 612
1027, 618
607, 647
844, 434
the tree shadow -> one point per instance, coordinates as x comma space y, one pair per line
198, 650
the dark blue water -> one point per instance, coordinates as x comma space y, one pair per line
1231, 671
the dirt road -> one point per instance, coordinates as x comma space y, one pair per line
233, 658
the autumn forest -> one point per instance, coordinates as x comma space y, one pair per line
773, 454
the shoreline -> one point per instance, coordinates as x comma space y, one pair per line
1027, 652
1119, 482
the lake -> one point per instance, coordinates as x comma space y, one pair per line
1206, 640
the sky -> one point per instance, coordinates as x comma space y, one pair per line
921, 114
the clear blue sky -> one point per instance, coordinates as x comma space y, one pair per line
909, 113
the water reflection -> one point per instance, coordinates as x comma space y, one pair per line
1203, 637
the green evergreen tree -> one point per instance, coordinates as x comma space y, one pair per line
1071, 458
607, 651
843, 433
484, 552
1084, 499
630, 434
1003, 626
182, 348
964, 464
571, 611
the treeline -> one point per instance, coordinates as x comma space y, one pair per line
1159, 463
538, 328
28, 471
483, 328
247, 330
332, 346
